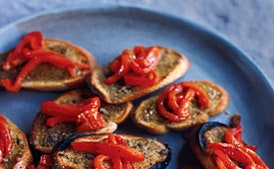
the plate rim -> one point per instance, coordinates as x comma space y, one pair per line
218, 36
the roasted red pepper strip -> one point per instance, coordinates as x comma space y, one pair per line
141, 80
42, 57
90, 120
121, 67
52, 108
175, 102
255, 157
99, 161
203, 99
6, 143
110, 149
30, 42
234, 136
234, 152
85, 113
135, 67
223, 161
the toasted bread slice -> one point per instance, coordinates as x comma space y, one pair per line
146, 114
172, 65
44, 138
157, 154
21, 155
47, 77
215, 132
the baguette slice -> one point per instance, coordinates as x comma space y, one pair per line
146, 116
43, 138
47, 77
214, 132
21, 155
211, 131
157, 154
172, 65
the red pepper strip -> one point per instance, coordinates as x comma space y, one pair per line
223, 161
5, 136
110, 149
124, 67
52, 121
32, 41
42, 57
141, 80
234, 136
234, 152
203, 99
180, 105
144, 60
254, 166
90, 120
138, 50
52, 108
255, 157
99, 160
2, 149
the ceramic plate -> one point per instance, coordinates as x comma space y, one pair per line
105, 30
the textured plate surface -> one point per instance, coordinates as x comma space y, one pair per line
105, 30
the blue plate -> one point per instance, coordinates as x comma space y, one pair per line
105, 30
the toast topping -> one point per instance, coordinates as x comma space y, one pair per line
30, 52
6, 144
234, 153
136, 66
44, 163
112, 151
85, 113
175, 102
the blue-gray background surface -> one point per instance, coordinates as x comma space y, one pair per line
249, 24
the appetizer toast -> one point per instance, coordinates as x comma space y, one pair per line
156, 153
217, 145
51, 74
171, 65
44, 138
146, 115
20, 155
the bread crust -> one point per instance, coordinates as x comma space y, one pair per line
146, 115
21, 156
46, 77
43, 138
172, 65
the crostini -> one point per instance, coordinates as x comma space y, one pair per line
135, 73
220, 146
137, 152
180, 106
14, 148
70, 114
45, 64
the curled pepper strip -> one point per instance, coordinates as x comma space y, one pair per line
234, 151
175, 102
6, 143
40, 57
113, 150
85, 113
30, 42
135, 66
